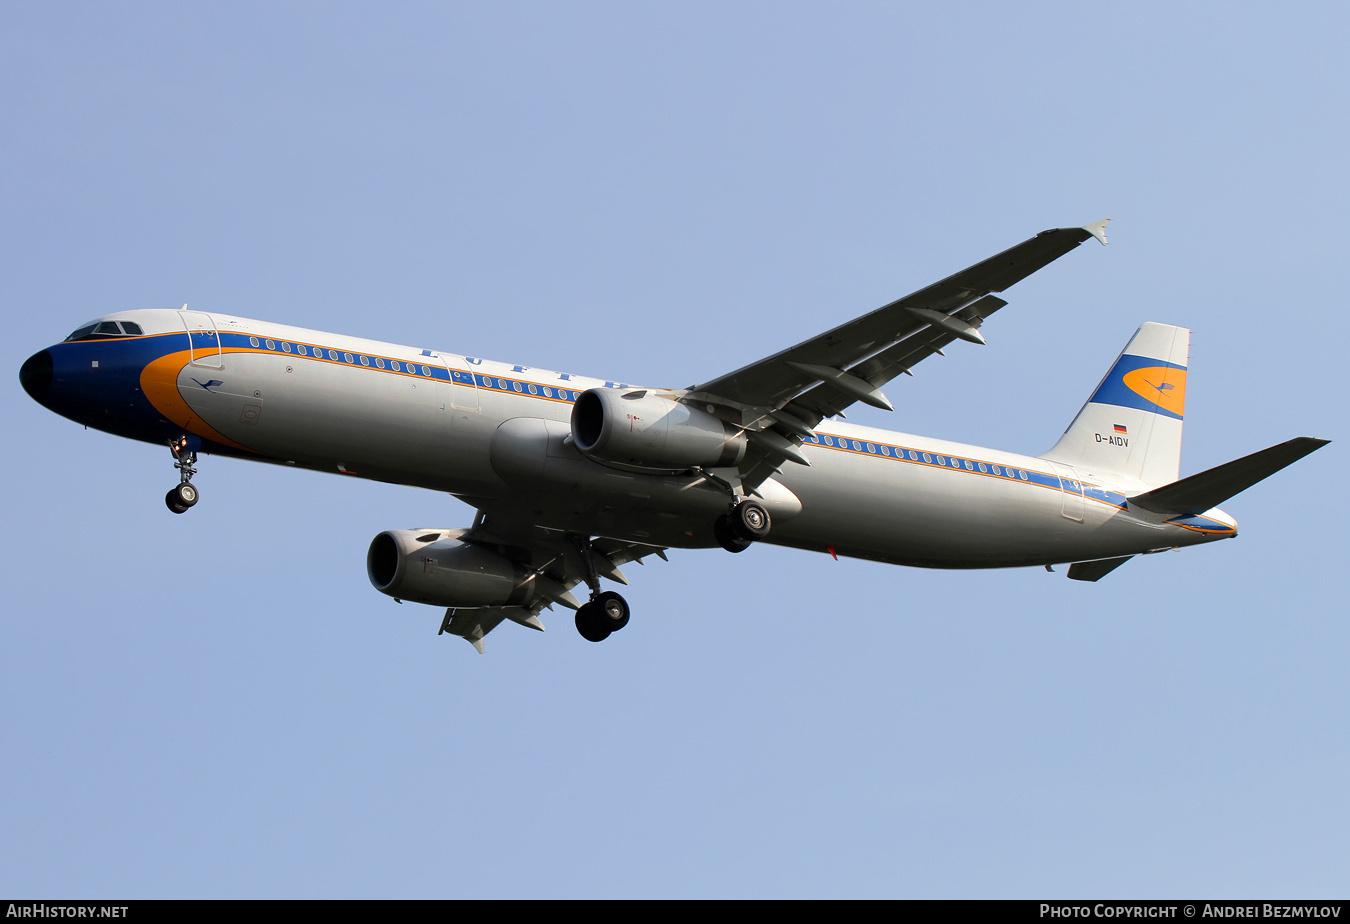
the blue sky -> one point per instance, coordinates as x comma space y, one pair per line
220, 705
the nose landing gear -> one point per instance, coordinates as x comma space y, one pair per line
185, 494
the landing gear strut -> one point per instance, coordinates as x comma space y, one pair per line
746, 523
607, 612
185, 494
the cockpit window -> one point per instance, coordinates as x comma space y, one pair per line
106, 329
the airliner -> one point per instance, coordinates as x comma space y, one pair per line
573, 477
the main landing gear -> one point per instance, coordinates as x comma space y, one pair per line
744, 524
606, 613
185, 494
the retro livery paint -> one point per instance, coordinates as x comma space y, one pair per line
423, 417
499, 436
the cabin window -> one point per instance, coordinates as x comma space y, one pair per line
253, 341
379, 362
286, 347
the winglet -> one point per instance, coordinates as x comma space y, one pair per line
1098, 230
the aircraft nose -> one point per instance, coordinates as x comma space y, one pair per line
36, 376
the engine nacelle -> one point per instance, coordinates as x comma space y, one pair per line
431, 566
650, 431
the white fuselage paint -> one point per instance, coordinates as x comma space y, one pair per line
949, 505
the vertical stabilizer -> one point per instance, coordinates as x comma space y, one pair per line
1131, 426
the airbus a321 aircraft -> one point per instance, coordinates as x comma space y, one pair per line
573, 477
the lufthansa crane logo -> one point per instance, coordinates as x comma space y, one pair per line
1164, 386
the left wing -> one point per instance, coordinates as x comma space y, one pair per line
556, 561
782, 398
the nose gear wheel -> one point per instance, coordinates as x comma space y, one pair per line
185, 494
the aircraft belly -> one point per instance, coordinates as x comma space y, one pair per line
555, 485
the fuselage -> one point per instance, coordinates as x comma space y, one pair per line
496, 435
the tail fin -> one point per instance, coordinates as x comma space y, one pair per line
1131, 426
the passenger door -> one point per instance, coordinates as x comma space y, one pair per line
203, 339
1072, 491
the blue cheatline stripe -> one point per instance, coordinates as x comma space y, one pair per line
236, 342
928, 459
1201, 524
374, 362
245, 343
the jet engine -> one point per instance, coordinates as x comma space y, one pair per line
434, 567
651, 431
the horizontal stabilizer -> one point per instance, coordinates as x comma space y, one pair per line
1208, 490
1095, 570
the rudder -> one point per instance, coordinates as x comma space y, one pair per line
1131, 426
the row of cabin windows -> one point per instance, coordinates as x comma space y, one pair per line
884, 450
379, 363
